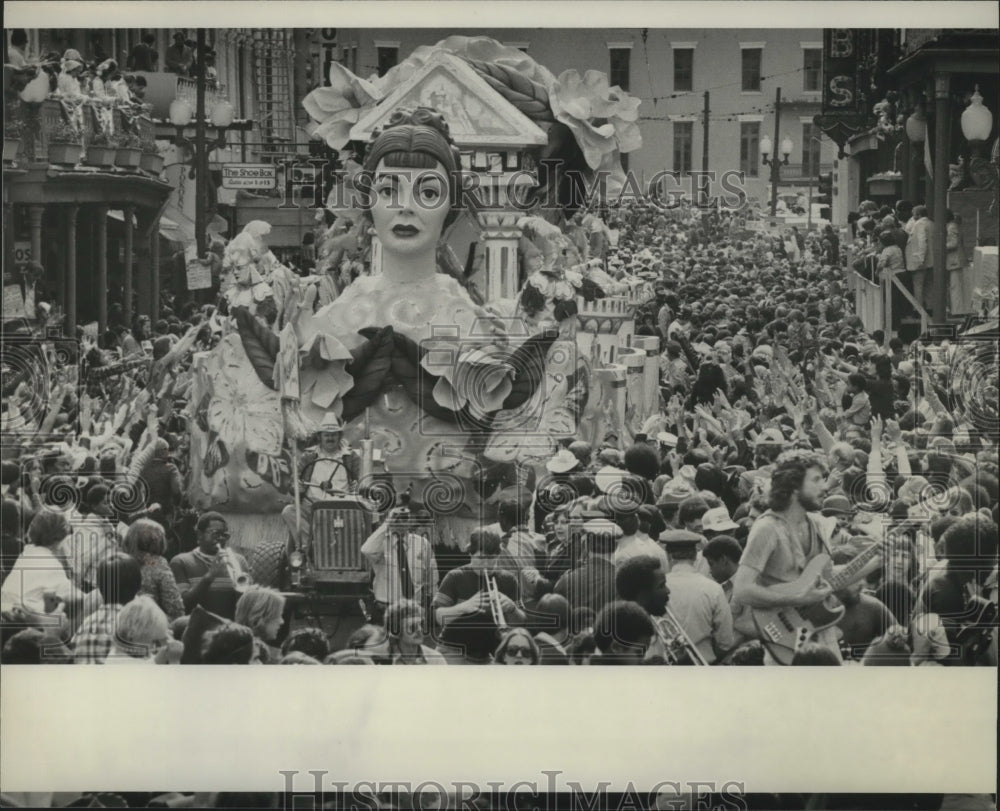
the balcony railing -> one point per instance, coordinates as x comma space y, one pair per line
40, 122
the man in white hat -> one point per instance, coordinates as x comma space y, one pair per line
554, 489
331, 468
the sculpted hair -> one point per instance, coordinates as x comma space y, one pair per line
414, 139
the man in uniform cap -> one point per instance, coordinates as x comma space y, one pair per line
331, 468
698, 602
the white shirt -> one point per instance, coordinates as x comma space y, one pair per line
35, 571
384, 559
701, 608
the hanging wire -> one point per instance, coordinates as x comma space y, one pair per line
718, 86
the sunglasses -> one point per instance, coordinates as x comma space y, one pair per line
518, 651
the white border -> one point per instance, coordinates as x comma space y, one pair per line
504, 13
859, 730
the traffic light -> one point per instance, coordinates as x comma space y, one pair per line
824, 196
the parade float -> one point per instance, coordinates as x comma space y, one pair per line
460, 380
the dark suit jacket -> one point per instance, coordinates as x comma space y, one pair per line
591, 584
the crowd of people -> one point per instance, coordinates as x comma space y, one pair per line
786, 433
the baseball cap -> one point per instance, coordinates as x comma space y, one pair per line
717, 520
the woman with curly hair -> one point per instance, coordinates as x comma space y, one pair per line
146, 541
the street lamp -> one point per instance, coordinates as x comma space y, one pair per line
766, 147
182, 114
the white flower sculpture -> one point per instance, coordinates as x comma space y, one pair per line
602, 118
479, 377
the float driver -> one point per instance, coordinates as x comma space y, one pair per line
327, 471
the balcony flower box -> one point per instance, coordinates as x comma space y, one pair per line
128, 157
152, 163
98, 155
129, 151
65, 154
65, 145
11, 146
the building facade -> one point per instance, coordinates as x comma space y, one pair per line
670, 70
108, 237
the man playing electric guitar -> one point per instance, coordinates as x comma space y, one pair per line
782, 543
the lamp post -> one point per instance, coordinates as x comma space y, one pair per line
977, 124
775, 163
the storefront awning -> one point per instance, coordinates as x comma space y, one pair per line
177, 229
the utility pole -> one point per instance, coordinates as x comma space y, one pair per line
776, 164
704, 145
809, 204
200, 150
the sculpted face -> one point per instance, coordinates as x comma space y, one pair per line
409, 207
241, 264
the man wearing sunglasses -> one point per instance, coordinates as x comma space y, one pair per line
202, 575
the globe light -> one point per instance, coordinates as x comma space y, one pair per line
180, 112
977, 120
765, 146
787, 146
222, 114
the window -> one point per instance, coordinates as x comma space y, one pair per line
810, 149
387, 59
683, 140
751, 60
812, 69
750, 148
618, 75
684, 69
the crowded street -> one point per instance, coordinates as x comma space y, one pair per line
446, 375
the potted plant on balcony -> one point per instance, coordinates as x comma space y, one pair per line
65, 147
101, 151
12, 131
152, 161
129, 151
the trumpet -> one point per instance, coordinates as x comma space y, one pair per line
679, 648
496, 606
241, 579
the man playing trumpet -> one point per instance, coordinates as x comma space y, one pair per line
211, 575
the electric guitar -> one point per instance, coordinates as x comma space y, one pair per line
784, 630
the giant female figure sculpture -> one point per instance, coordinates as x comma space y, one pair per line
404, 357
